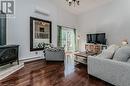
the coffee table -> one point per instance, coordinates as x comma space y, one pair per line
81, 57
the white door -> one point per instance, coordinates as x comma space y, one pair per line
68, 39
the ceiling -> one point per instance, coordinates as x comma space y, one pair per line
85, 5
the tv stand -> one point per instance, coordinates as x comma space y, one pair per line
94, 48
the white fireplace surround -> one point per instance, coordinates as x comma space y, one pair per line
10, 69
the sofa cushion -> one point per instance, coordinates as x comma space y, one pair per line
105, 55
122, 54
108, 53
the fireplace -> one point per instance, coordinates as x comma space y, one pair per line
9, 54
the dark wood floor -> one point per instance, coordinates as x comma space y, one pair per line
42, 73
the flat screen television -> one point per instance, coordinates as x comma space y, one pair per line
97, 38
2, 28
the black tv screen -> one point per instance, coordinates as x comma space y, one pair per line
2, 28
98, 38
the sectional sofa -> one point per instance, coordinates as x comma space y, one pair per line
110, 70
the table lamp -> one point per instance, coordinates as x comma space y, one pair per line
124, 42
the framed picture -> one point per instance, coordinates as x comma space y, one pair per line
40, 33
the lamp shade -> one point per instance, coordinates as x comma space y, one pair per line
124, 42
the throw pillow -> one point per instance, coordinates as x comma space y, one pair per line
108, 53
105, 54
122, 54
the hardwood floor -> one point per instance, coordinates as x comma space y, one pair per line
42, 73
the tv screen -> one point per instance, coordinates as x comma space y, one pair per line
2, 28
98, 38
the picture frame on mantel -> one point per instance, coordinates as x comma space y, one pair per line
40, 33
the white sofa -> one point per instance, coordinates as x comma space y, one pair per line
114, 72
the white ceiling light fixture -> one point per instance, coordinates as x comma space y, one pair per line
73, 2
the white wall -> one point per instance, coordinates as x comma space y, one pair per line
18, 31
112, 18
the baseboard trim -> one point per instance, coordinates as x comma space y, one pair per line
31, 59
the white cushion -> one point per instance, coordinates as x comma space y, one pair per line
122, 54
108, 53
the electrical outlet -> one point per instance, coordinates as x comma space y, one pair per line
36, 53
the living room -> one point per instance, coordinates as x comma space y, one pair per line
77, 19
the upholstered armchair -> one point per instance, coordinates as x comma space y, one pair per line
54, 54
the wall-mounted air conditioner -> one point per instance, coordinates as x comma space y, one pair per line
42, 11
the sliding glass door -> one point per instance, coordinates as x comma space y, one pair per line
68, 39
